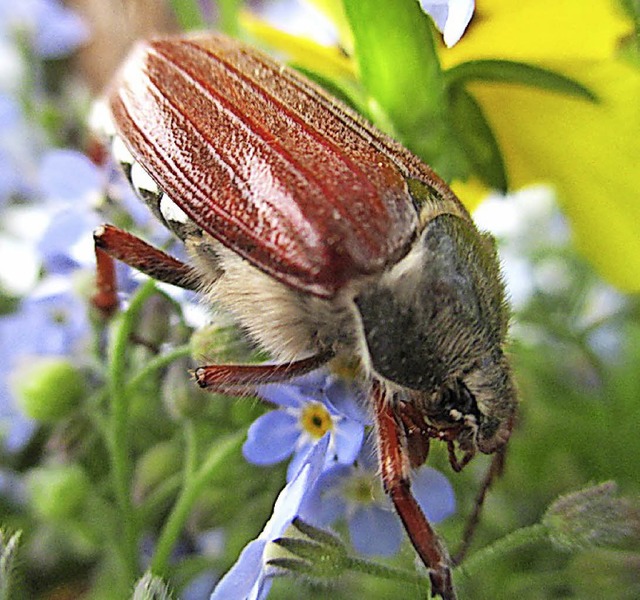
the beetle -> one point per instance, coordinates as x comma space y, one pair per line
326, 240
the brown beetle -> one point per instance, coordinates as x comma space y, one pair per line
326, 240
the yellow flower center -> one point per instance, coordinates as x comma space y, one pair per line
362, 488
316, 420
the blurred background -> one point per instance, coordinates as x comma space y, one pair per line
547, 160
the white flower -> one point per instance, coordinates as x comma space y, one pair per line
450, 16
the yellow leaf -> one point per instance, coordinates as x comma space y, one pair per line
328, 61
541, 31
589, 152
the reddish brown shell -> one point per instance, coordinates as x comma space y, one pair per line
266, 163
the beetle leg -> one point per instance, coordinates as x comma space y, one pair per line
456, 464
226, 378
105, 299
395, 468
417, 433
147, 259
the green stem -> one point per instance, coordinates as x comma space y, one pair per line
191, 451
193, 487
157, 363
361, 565
157, 500
516, 539
119, 423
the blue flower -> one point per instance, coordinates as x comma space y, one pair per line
310, 406
355, 493
20, 145
71, 185
53, 30
250, 577
51, 321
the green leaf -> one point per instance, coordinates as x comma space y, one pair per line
397, 62
477, 139
189, 14
507, 71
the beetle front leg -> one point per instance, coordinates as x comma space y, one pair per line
395, 470
105, 298
230, 378
113, 243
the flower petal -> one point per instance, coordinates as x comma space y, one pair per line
283, 394
551, 138
271, 438
288, 504
450, 16
325, 504
248, 578
434, 493
244, 575
298, 459
347, 399
69, 176
541, 31
375, 531
348, 436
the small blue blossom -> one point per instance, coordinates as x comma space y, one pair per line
51, 321
251, 576
310, 406
355, 492
71, 185
20, 144
450, 16
53, 29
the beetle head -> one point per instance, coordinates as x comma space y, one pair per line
435, 326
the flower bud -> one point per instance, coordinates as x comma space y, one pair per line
180, 395
219, 343
57, 492
154, 467
153, 325
48, 388
150, 587
591, 517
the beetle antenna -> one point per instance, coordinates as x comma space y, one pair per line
495, 470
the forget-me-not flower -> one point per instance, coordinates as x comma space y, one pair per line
355, 492
309, 407
251, 576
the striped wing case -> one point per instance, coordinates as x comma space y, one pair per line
265, 162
